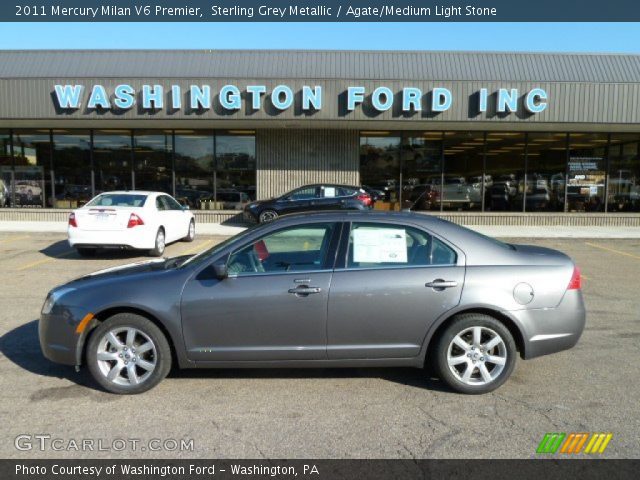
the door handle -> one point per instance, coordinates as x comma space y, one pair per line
304, 290
439, 284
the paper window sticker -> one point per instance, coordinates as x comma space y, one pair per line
380, 245
329, 192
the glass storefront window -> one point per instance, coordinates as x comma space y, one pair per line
505, 167
32, 183
112, 160
72, 168
153, 160
461, 186
546, 171
194, 161
6, 166
586, 172
421, 163
380, 169
624, 173
235, 173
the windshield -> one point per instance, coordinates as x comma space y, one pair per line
206, 254
118, 200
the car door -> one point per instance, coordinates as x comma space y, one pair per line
180, 217
300, 200
394, 281
330, 197
272, 306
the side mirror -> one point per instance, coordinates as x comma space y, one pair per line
220, 270
185, 207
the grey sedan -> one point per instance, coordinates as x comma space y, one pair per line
343, 289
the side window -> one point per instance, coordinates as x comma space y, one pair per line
160, 205
295, 249
172, 203
329, 191
304, 193
346, 191
374, 245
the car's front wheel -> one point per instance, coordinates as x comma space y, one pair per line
268, 216
128, 354
475, 354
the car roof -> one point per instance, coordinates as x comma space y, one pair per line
477, 248
133, 192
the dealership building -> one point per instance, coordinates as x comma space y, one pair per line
474, 132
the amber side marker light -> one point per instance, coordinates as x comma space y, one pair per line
84, 322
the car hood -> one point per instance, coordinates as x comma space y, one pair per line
156, 264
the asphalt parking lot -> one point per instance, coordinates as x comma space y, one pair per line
327, 413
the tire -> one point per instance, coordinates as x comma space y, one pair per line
160, 244
143, 370
267, 216
488, 372
86, 252
192, 232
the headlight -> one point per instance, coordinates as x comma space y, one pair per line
54, 297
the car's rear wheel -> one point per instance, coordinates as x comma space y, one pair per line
86, 252
160, 244
268, 216
192, 232
475, 354
128, 354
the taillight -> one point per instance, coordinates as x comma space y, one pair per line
134, 221
365, 198
72, 220
576, 281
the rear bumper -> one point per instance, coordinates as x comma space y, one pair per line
140, 237
550, 330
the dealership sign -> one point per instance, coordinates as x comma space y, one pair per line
197, 98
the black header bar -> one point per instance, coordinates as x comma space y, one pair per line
319, 11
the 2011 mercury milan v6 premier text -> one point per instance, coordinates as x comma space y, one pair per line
330, 289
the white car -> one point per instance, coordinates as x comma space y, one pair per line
130, 219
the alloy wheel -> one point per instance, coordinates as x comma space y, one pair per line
126, 356
477, 356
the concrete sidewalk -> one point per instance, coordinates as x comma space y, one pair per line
491, 230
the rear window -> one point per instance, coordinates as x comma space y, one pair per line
118, 200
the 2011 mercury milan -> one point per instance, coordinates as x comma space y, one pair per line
341, 289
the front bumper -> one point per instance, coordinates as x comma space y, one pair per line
248, 216
550, 330
57, 334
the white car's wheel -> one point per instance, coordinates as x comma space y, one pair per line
192, 232
160, 244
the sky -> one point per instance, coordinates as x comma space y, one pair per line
540, 37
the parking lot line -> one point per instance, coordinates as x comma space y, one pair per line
14, 239
613, 250
198, 247
46, 260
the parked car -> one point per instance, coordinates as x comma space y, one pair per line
191, 197
130, 220
307, 199
28, 192
455, 192
232, 199
421, 197
339, 289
